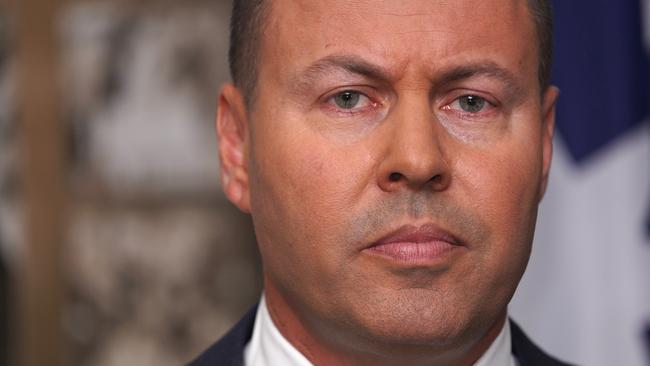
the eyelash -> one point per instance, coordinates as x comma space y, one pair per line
490, 107
330, 105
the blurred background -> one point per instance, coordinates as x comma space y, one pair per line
117, 246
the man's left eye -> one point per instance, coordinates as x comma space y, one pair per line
470, 104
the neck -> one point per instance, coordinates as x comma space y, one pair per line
332, 348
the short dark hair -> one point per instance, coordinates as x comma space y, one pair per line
542, 14
247, 26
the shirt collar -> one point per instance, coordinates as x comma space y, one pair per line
500, 351
268, 346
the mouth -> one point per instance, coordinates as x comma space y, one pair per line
426, 245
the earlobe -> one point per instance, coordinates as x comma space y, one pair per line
548, 129
232, 138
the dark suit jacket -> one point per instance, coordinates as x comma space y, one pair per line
229, 351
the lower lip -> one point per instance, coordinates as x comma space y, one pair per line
424, 253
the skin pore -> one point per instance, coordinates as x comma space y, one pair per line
376, 118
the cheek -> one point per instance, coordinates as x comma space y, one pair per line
503, 187
301, 197
302, 192
318, 185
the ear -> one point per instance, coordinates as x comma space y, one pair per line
233, 140
548, 128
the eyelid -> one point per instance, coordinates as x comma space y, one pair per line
454, 95
361, 95
491, 109
365, 91
458, 93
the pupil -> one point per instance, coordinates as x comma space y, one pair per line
347, 99
472, 103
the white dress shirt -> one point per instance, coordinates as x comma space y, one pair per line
268, 347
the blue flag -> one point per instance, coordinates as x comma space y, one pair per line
601, 68
586, 293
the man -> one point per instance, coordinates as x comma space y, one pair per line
392, 155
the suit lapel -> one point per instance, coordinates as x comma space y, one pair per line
229, 350
526, 352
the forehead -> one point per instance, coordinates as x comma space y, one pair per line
400, 35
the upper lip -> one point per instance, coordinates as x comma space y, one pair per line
418, 234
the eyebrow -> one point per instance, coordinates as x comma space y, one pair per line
305, 79
482, 69
338, 63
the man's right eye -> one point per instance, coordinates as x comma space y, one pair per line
350, 99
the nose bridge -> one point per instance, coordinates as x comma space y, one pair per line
413, 128
414, 155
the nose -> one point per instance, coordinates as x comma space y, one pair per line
414, 157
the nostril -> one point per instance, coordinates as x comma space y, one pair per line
439, 181
394, 177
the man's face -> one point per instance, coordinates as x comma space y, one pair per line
393, 162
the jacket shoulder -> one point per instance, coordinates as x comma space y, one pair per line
529, 354
229, 350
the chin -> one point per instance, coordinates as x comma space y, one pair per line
423, 318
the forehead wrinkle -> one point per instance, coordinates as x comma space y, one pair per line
487, 69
